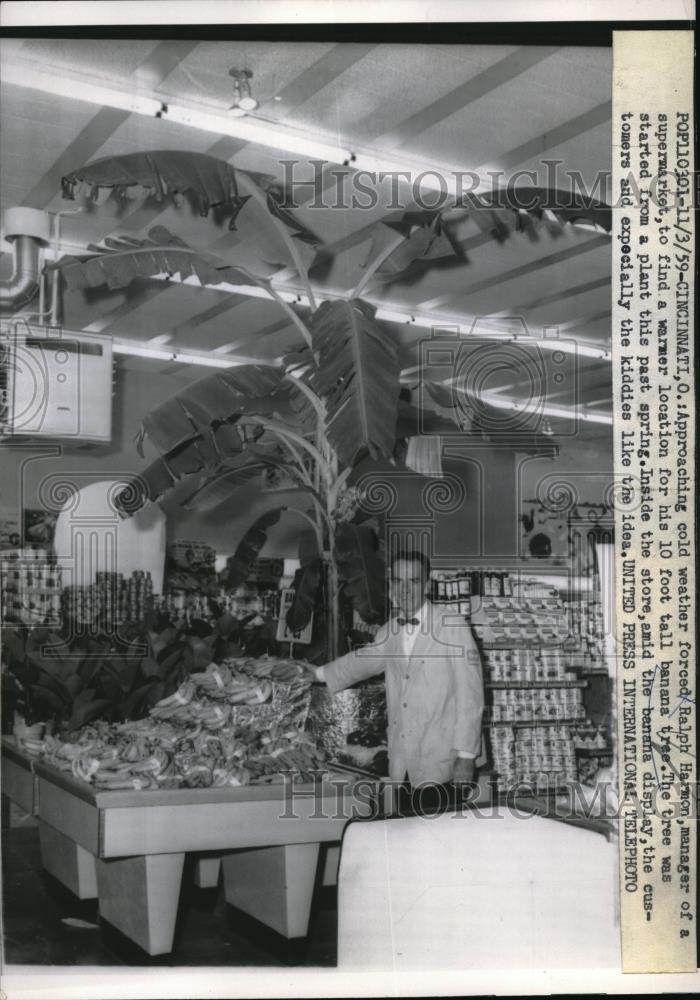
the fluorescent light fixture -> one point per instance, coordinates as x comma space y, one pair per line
464, 327
28, 75
134, 349
578, 413
256, 131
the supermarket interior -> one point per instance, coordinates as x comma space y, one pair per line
248, 369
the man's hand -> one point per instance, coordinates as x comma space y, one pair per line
463, 770
312, 670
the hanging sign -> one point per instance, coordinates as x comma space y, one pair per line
284, 633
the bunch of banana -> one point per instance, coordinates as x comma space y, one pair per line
145, 727
183, 696
116, 782
217, 717
249, 693
134, 750
213, 681
169, 781
290, 671
34, 747
84, 767
198, 775
230, 776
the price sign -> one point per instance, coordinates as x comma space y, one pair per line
285, 634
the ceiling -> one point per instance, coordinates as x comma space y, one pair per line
481, 108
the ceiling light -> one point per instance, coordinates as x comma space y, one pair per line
243, 99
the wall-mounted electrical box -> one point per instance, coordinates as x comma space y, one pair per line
54, 383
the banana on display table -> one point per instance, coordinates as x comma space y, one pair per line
119, 805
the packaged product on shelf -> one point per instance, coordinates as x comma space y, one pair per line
30, 582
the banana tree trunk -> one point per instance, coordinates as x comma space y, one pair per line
332, 606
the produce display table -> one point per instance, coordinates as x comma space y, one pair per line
19, 783
128, 847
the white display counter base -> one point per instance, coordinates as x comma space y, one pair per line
476, 892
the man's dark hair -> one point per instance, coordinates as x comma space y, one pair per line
412, 555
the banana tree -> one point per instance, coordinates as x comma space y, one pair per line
335, 401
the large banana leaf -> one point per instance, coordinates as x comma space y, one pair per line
239, 564
200, 409
308, 580
429, 237
424, 238
203, 429
121, 261
237, 473
252, 201
223, 485
357, 376
361, 571
160, 173
212, 182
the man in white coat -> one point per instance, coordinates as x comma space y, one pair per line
434, 687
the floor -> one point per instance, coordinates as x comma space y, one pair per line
44, 924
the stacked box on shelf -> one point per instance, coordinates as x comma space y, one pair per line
110, 601
526, 639
540, 704
190, 568
179, 606
585, 616
542, 759
30, 581
10, 534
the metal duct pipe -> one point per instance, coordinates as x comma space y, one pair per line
28, 230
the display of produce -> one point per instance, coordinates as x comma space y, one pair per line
235, 723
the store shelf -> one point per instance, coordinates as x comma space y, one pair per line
536, 684
532, 723
521, 645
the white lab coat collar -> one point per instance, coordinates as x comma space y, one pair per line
421, 614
